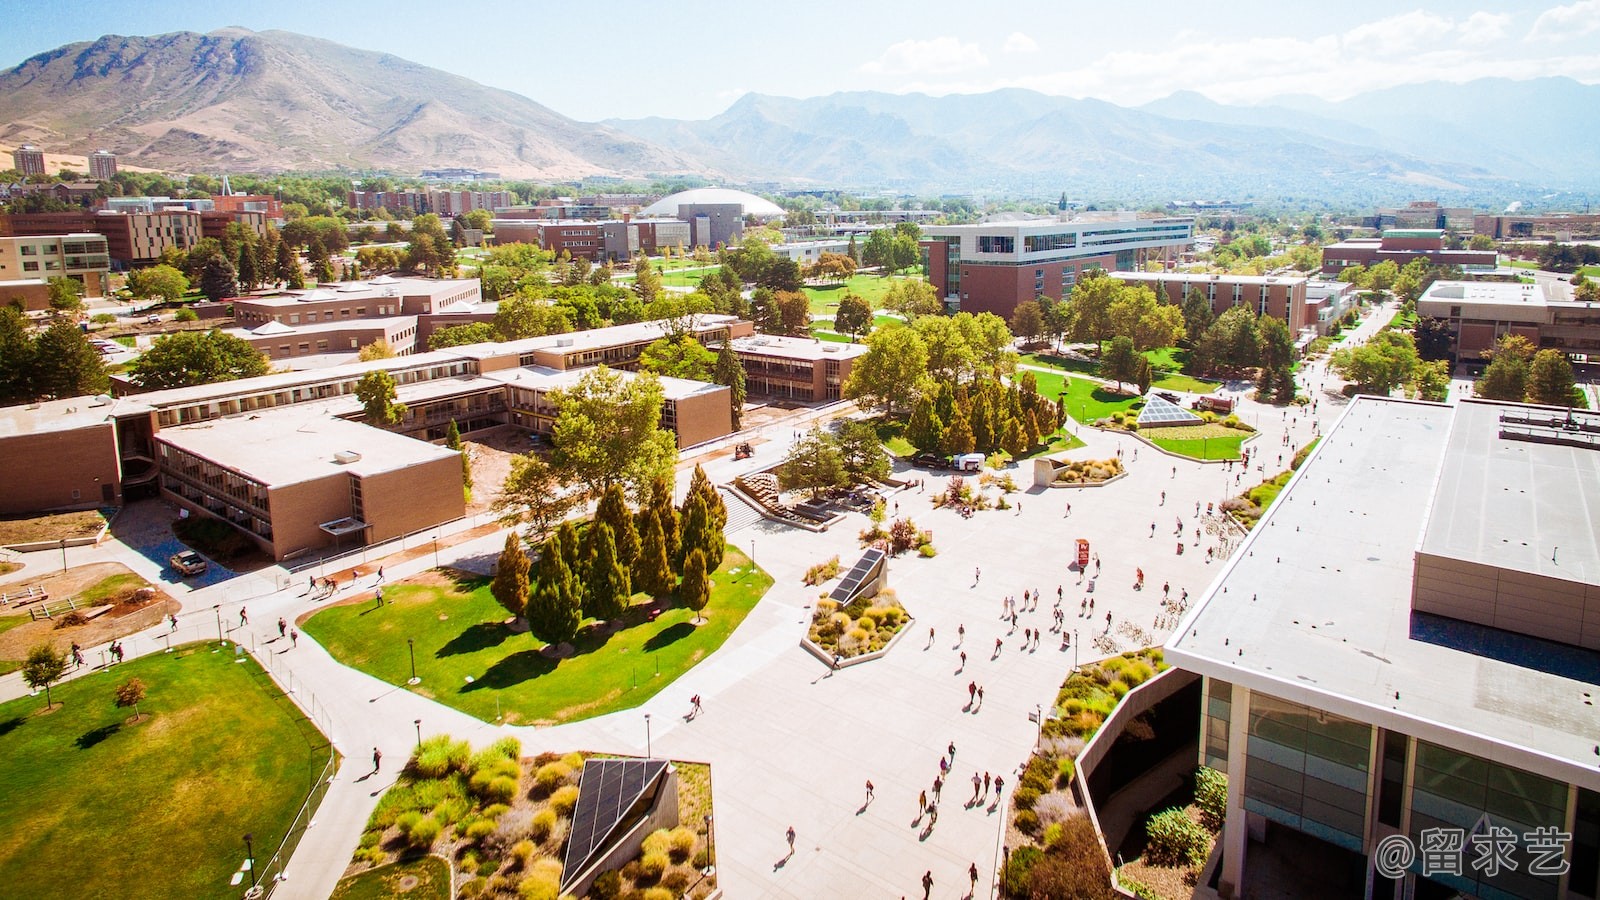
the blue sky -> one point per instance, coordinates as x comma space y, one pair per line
690, 60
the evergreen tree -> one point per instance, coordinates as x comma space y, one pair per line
701, 484
574, 551
553, 614
64, 364
696, 528
287, 267
613, 512
16, 357
452, 439
652, 569
958, 437
925, 431
249, 275
695, 591
667, 515
1014, 439
981, 420
510, 584
219, 280
730, 373
608, 585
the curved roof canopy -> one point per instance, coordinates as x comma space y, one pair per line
750, 203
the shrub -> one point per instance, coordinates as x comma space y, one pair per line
424, 833
539, 886
1053, 808
683, 841
407, 821
573, 761
1119, 689
675, 881
548, 777
563, 800
186, 315
1175, 839
371, 838
449, 811
1064, 771
656, 841
653, 865
607, 885
1211, 796
927, 551
479, 830
72, 619
544, 822
1026, 822
500, 789
702, 858
373, 856
473, 887
103, 318
1024, 798
495, 810
509, 747
522, 851
1014, 878
657, 893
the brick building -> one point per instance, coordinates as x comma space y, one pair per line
81, 256
790, 368
1402, 246
28, 159
1478, 314
1281, 296
102, 165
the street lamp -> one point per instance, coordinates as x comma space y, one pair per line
436, 550
1038, 720
217, 608
648, 752
418, 723
711, 850
250, 859
1075, 643
63, 556
411, 646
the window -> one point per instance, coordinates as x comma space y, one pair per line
30, 267
990, 243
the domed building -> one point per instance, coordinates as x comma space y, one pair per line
715, 215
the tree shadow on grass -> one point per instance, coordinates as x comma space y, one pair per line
90, 738
513, 670
474, 638
669, 635
11, 724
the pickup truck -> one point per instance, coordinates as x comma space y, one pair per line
930, 461
188, 563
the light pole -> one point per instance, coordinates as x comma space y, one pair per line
217, 608
711, 850
436, 551
63, 556
411, 646
418, 723
1075, 643
250, 859
648, 751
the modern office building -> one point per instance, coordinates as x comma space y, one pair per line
1407, 646
1402, 246
1551, 227
82, 256
1422, 214
789, 368
993, 267
28, 160
1281, 296
715, 215
132, 239
102, 165
1480, 313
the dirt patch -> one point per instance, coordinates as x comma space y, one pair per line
491, 452
52, 527
121, 621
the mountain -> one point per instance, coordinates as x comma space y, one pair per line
275, 100
1019, 139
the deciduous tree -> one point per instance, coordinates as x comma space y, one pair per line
814, 463
157, 282
130, 693
533, 493
886, 374
1027, 321
607, 431
853, 317
1550, 379
376, 391
1121, 361
678, 357
197, 357
44, 667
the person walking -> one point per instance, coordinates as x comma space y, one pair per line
963, 659
933, 814
377, 759
972, 691
283, 627
985, 783
938, 788
972, 872
379, 594
791, 840
922, 801
244, 619
977, 574
927, 884
999, 785
173, 619
380, 574
980, 695
695, 709
294, 638
997, 645
961, 634
976, 784
952, 751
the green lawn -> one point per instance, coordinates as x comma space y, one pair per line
1180, 382
871, 288
106, 589
1086, 400
1062, 363
822, 334
431, 872
1199, 441
1061, 441
892, 433
97, 807
460, 633
1167, 359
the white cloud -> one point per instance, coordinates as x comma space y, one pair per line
1568, 21
941, 55
1020, 43
1484, 28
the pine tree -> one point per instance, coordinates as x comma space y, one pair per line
730, 372
452, 439
925, 431
700, 484
613, 511
574, 552
510, 585
1014, 439
652, 569
249, 275
287, 267
666, 514
981, 420
553, 615
608, 584
958, 437
695, 591
696, 528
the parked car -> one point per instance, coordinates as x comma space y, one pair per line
152, 319
1168, 396
1220, 405
930, 461
743, 451
188, 563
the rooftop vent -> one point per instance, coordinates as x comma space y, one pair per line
563, 342
346, 457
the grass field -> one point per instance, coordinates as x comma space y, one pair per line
431, 872
1086, 400
871, 288
99, 807
1180, 382
1199, 441
460, 633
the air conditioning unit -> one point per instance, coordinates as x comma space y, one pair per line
346, 457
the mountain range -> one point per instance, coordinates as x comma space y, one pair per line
272, 101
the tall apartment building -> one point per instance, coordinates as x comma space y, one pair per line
28, 159
81, 256
102, 165
1411, 660
993, 267
1281, 296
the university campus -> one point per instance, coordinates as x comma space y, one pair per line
469, 500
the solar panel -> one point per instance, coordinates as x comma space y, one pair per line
850, 585
608, 791
1160, 411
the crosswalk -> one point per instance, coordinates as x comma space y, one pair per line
740, 513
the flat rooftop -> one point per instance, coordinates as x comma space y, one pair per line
542, 378
382, 286
280, 381
592, 339
67, 414
296, 445
810, 349
1499, 293
1315, 606
1220, 278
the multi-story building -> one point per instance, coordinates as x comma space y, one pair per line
132, 239
28, 160
82, 256
1281, 296
791, 368
1327, 301
265, 204
102, 165
1423, 214
71, 453
694, 411
1402, 656
346, 316
1552, 227
81, 193
1402, 246
578, 237
297, 480
993, 267
1478, 314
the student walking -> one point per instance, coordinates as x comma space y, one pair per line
243, 618
294, 638
377, 759
174, 620
869, 790
985, 783
980, 695
938, 788
283, 627
927, 884
972, 872
972, 691
791, 840
922, 802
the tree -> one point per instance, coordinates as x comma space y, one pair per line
247, 267
1379, 366
700, 485
1027, 321
16, 357
607, 586
612, 511
66, 294
1506, 378
376, 391
1431, 381
695, 591
197, 357
646, 280
814, 463
510, 584
460, 335
534, 494
523, 316
729, 372
878, 252
862, 451
665, 514
1135, 313
378, 349
552, 611
1550, 379
452, 439
1197, 316
162, 282
925, 431
219, 280
1481, 242
607, 431
853, 317
287, 267
1121, 361
958, 437
885, 376
652, 568
130, 693
1382, 276
697, 528
678, 357
1091, 306
793, 311
782, 275
1432, 336
1276, 352
44, 667
64, 363
912, 298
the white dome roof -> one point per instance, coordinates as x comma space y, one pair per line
750, 203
